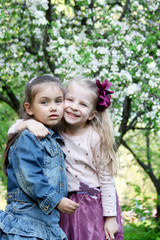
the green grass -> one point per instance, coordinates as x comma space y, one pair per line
140, 232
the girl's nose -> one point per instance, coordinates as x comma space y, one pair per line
75, 106
53, 107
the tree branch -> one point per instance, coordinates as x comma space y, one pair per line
125, 115
134, 121
124, 10
14, 102
4, 99
140, 128
47, 38
145, 167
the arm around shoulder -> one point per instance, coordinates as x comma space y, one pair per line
37, 128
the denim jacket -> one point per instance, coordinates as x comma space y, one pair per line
36, 184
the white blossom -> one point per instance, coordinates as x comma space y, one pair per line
81, 37
40, 18
41, 64
151, 114
61, 41
23, 60
133, 88
135, 3
153, 83
1, 34
40, 53
13, 48
158, 52
37, 32
139, 47
138, 73
102, 50
62, 49
152, 65
89, 22
126, 74
22, 74
104, 72
71, 49
114, 68
1, 62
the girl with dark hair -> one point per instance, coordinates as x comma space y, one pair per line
37, 182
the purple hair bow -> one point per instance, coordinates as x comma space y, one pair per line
104, 99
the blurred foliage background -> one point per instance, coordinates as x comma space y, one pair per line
100, 39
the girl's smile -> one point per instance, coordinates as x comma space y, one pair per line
72, 115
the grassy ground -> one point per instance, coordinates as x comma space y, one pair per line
139, 232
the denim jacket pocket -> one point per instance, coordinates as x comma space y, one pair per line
51, 159
22, 206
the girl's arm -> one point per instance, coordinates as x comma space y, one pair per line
108, 196
15, 127
37, 128
108, 192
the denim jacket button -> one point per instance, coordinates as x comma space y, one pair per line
46, 208
9, 196
61, 185
61, 168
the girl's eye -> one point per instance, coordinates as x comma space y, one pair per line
69, 99
44, 102
59, 101
83, 104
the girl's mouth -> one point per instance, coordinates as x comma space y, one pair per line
72, 115
53, 116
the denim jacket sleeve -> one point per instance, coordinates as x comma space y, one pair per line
29, 172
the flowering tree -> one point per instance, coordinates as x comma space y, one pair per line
118, 40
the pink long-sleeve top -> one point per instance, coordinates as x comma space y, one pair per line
82, 154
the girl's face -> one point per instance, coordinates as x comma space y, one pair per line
47, 106
79, 106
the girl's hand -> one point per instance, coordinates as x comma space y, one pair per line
110, 228
37, 128
67, 206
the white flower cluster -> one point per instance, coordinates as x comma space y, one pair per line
112, 50
36, 12
151, 115
133, 88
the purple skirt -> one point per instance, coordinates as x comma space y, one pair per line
87, 223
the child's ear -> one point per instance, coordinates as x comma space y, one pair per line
92, 115
28, 108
